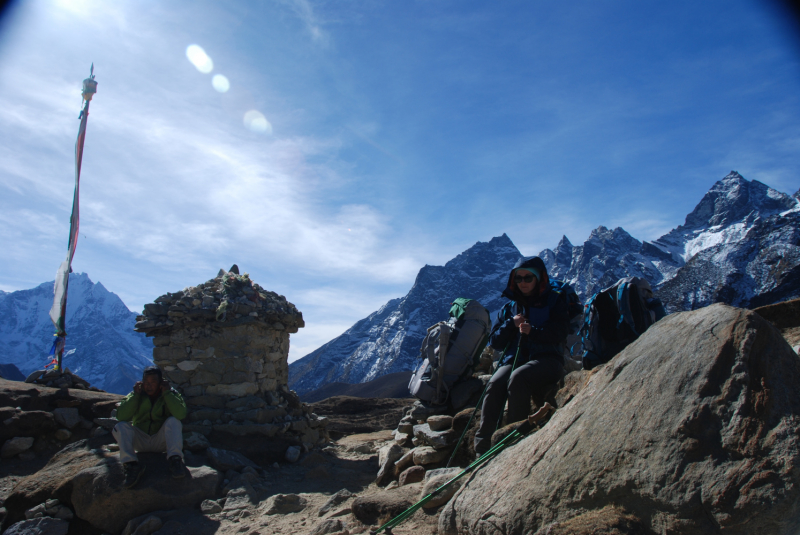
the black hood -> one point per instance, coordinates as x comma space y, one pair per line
535, 263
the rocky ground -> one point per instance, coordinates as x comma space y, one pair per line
60, 466
273, 497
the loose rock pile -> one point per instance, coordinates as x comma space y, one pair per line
427, 434
225, 346
49, 419
56, 379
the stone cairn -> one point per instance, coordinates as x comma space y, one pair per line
56, 379
224, 344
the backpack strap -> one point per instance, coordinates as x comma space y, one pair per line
587, 321
444, 342
624, 304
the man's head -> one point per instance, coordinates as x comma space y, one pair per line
151, 380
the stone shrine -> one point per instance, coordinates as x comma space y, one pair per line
224, 345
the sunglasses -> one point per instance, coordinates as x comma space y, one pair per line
526, 278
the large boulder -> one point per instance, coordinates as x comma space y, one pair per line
692, 429
98, 497
90, 481
17, 423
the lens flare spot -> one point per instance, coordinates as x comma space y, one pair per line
256, 122
220, 83
198, 57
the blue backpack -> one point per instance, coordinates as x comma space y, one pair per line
574, 307
617, 316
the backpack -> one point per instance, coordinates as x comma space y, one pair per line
450, 349
574, 307
617, 316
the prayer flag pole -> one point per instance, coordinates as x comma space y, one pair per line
58, 311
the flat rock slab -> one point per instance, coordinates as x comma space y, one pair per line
15, 446
90, 481
433, 479
415, 474
68, 417
98, 497
335, 500
39, 526
428, 455
370, 509
692, 429
441, 422
186, 521
435, 439
25, 423
224, 460
282, 504
54, 480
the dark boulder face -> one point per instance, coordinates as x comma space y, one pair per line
692, 429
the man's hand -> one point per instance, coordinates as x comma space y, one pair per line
525, 328
519, 319
165, 387
137, 388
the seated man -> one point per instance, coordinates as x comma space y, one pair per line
149, 420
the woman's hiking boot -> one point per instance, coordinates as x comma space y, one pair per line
133, 473
176, 467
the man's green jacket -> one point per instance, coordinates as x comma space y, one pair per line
147, 416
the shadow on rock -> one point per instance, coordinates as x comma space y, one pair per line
692, 429
90, 481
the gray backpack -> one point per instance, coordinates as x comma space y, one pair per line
449, 350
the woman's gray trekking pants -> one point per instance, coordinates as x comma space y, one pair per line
518, 387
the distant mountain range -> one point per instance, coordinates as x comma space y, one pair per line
392, 385
740, 245
107, 352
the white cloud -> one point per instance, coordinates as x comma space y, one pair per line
304, 11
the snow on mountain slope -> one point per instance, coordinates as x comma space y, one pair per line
388, 340
605, 257
724, 215
108, 353
739, 245
762, 267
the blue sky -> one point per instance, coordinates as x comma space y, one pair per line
388, 135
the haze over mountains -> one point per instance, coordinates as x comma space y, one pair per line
108, 353
740, 245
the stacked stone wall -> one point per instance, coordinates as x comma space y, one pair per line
224, 345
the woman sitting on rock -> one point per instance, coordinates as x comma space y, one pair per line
530, 331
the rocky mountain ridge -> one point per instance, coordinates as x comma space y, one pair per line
101, 345
388, 340
740, 245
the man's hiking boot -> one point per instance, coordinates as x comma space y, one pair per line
176, 467
133, 473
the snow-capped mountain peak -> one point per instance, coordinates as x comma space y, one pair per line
740, 245
724, 215
735, 199
108, 353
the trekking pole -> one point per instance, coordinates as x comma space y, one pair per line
478, 405
471, 417
518, 433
